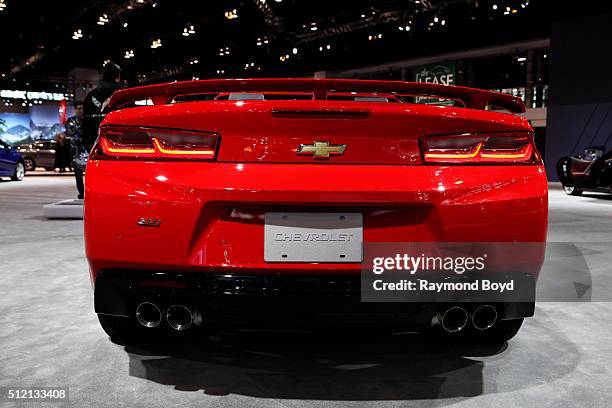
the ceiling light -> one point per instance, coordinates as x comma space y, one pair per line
2, 5
77, 35
294, 51
129, 54
103, 19
156, 43
232, 14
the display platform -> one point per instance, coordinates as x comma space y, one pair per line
64, 209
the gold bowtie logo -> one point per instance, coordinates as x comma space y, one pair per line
321, 150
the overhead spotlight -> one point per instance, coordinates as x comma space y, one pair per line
103, 19
129, 54
125, 24
232, 14
495, 7
189, 30
156, 43
77, 35
313, 26
2, 5
294, 51
443, 22
224, 51
328, 46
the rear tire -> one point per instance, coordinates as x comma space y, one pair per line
117, 327
30, 164
571, 190
19, 172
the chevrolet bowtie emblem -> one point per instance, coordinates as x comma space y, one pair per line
321, 150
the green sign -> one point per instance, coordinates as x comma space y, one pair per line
442, 74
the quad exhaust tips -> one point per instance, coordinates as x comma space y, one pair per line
484, 317
148, 314
179, 317
454, 319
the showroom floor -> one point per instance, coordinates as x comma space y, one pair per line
49, 336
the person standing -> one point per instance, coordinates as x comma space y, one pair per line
74, 131
60, 159
96, 100
94, 107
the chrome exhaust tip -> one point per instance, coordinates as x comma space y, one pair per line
454, 319
484, 317
179, 317
148, 314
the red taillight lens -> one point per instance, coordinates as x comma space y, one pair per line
485, 148
139, 142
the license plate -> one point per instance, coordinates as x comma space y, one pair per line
313, 237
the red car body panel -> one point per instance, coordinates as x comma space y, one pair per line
212, 213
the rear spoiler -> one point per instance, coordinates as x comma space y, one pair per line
165, 93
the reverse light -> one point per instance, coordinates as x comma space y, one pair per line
140, 142
479, 148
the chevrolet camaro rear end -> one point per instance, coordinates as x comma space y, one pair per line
248, 202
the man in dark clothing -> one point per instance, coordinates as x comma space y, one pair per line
96, 101
94, 108
74, 130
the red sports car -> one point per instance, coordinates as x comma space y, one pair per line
199, 193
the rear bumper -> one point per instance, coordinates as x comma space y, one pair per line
260, 301
212, 213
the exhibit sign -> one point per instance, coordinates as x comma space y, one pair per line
442, 74
39, 122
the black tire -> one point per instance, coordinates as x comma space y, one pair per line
19, 172
30, 164
571, 190
502, 331
117, 327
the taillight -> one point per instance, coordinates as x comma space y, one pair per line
141, 142
479, 148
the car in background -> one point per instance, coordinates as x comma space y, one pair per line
40, 153
589, 171
11, 162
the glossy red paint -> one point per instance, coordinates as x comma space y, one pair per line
212, 212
